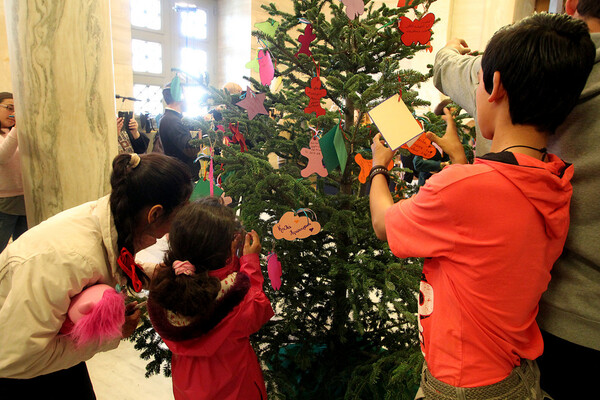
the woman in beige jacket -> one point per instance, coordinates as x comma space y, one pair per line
52, 262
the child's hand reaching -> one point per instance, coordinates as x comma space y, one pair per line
252, 243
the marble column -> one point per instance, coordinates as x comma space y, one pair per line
62, 77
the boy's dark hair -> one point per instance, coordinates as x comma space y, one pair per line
201, 233
167, 95
544, 61
589, 8
157, 179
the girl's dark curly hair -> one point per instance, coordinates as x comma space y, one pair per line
157, 179
201, 233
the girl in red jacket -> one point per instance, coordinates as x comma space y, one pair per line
205, 302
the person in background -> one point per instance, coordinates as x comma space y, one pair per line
569, 314
13, 221
69, 252
134, 141
175, 136
206, 300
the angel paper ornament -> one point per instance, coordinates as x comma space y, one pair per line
315, 92
305, 40
253, 103
417, 31
354, 8
315, 159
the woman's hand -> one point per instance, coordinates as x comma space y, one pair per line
252, 243
132, 319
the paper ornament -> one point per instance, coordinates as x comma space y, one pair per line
421, 147
333, 149
395, 122
253, 65
417, 31
354, 8
253, 103
305, 40
175, 87
365, 167
276, 85
237, 138
402, 3
274, 269
315, 92
267, 70
294, 226
202, 189
315, 159
268, 27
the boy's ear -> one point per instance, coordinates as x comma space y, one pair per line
155, 213
571, 7
498, 91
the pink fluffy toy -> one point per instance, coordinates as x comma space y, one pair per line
95, 314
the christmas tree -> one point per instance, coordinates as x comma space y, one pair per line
346, 312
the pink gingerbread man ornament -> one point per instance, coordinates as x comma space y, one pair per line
315, 159
315, 93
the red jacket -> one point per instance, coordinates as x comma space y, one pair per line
213, 358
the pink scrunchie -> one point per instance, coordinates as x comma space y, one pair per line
183, 267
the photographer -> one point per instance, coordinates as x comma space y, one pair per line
134, 141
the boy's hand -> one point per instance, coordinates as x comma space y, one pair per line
459, 45
450, 142
252, 243
382, 155
119, 124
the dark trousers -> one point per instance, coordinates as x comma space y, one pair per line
563, 375
68, 384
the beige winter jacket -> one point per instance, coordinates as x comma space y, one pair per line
39, 273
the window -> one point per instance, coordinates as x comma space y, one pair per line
150, 97
146, 56
146, 14
168, 36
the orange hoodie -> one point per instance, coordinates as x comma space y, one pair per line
491, 232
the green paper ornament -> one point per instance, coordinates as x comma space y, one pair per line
202, 189
333, 148
176, 88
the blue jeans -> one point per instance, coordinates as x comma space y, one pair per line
11, 225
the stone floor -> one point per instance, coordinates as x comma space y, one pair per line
119, 375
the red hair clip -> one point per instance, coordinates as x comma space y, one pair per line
128, 265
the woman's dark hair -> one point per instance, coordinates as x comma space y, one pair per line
157, 179
201, 233
544, 61
5, 95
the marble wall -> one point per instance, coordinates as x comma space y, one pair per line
64, 97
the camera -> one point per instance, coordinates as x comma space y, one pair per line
127, 116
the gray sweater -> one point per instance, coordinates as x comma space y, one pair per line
570, 308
